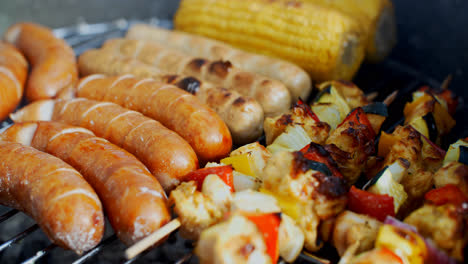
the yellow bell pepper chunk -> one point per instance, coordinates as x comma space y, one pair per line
287, 205
241, 163
406, 244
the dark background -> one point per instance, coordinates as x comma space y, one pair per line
432, 34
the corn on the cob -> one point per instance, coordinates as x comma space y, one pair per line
327, 43
376, 18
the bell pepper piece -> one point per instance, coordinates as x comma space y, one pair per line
268, 225
307, 109
405, 243
224, 173
241, 163
359, 117
317, 153
371, 204
448, 194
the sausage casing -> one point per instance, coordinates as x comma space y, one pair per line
13, 72
176, 109
133, 199
52, 193
296, 79
165, 154
271, 94
53, 61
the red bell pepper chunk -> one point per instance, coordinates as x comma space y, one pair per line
448, 194
307, 109
317, 153
268, 224
358, 116
378, 206
224, 173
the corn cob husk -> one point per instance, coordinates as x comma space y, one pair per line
327, 43
376, 18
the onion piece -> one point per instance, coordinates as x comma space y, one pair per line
434, 254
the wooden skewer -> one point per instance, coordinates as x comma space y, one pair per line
446, 82
371, 96
152, 239
390, 98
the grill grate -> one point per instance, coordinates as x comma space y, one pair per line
383, 79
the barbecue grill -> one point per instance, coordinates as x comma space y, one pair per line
22, 241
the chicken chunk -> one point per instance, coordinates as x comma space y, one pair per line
196, 211
300, 114
408, 146
350, 146
452, 173
351, 228
235, 241
314, 194
446, 225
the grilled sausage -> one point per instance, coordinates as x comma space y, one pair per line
272, 95
296, 79
52, 193
133, 199
53, 61
13, 72
243, 115
176, 109
165, 153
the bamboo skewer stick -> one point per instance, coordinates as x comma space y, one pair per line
152, 239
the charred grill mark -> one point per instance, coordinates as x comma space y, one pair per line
196, 64
239, 101
189, 84
220, 68
330, 186
285, 120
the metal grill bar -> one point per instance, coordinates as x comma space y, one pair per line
39, 254
18, 237
96, 250
7, 215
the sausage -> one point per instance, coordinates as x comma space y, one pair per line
53, 61
294, 77
13, 72
168, 156
53, 193
133, 199
272, 95
243, 115
176, 109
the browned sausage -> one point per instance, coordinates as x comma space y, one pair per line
52, 193
272, 95
178, 110
13, 72
166, 154
53, 61
133, 199
243, 115
296, 79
